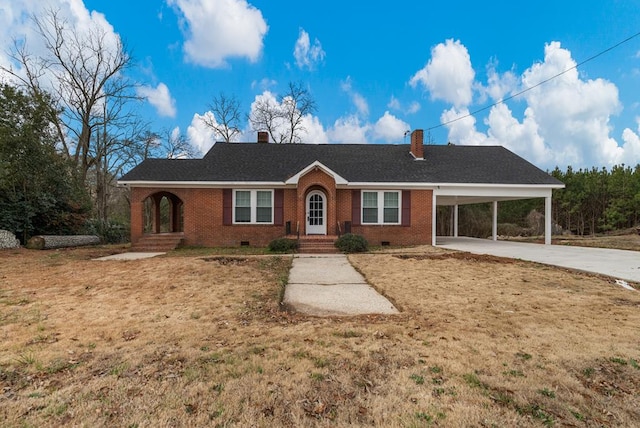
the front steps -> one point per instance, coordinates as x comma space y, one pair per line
317, 244
158, 242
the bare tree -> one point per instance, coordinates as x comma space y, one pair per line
283, 120
115, 147
86, 72
93, 111
174, 145
226, 116
266, 115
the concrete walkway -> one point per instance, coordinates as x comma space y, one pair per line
328, 285
129, 256
619, 264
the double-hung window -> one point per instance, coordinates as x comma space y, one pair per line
253, 206
381, 207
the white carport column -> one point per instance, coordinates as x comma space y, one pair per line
455, 220
433, 218
547, 220
494, 226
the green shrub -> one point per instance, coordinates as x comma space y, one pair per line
283, 245
351, 243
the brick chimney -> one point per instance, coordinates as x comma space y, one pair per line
263, 137
417, 144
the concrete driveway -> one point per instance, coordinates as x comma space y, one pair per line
619, 264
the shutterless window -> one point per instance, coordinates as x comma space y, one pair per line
380, 207
253, 206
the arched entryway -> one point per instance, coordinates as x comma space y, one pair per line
316, 213
163, 213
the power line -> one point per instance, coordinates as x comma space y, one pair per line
502, 101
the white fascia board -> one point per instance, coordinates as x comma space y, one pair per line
492, 185
457, 188
504, 191
338, 179
204, 184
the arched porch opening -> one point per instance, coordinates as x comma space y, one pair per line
163, 213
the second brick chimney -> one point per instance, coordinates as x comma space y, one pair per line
263, 137
417, 144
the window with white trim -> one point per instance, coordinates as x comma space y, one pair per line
381, 207
253, 206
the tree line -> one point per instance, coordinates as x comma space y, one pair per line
597, 200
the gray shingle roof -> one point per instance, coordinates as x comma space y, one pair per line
257, 162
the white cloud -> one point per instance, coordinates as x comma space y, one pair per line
307, 55
448, 75
631, 145
315, 133
414, 107
200, 135
389, 128
395, 104
160, 98
462, 131
522, 138
572, 114
499, 85
349, 130
361, 104
565, 121
217, 30
358, 100
263, 84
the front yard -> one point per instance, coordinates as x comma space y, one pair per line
198, 339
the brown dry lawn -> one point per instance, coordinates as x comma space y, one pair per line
197, 339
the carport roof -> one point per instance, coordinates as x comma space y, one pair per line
356, 163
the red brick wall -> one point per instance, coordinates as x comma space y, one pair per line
203, 224
418, 233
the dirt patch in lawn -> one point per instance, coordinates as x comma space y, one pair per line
457, 255
619, 241
201, 341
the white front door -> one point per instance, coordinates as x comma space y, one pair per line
316, 213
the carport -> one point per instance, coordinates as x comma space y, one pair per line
469, 193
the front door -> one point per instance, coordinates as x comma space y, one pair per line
316, 213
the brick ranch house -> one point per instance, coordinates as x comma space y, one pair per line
251, 193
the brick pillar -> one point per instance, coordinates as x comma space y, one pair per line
137, 218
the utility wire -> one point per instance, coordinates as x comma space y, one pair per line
502, 101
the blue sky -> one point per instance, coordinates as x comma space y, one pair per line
376, 70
